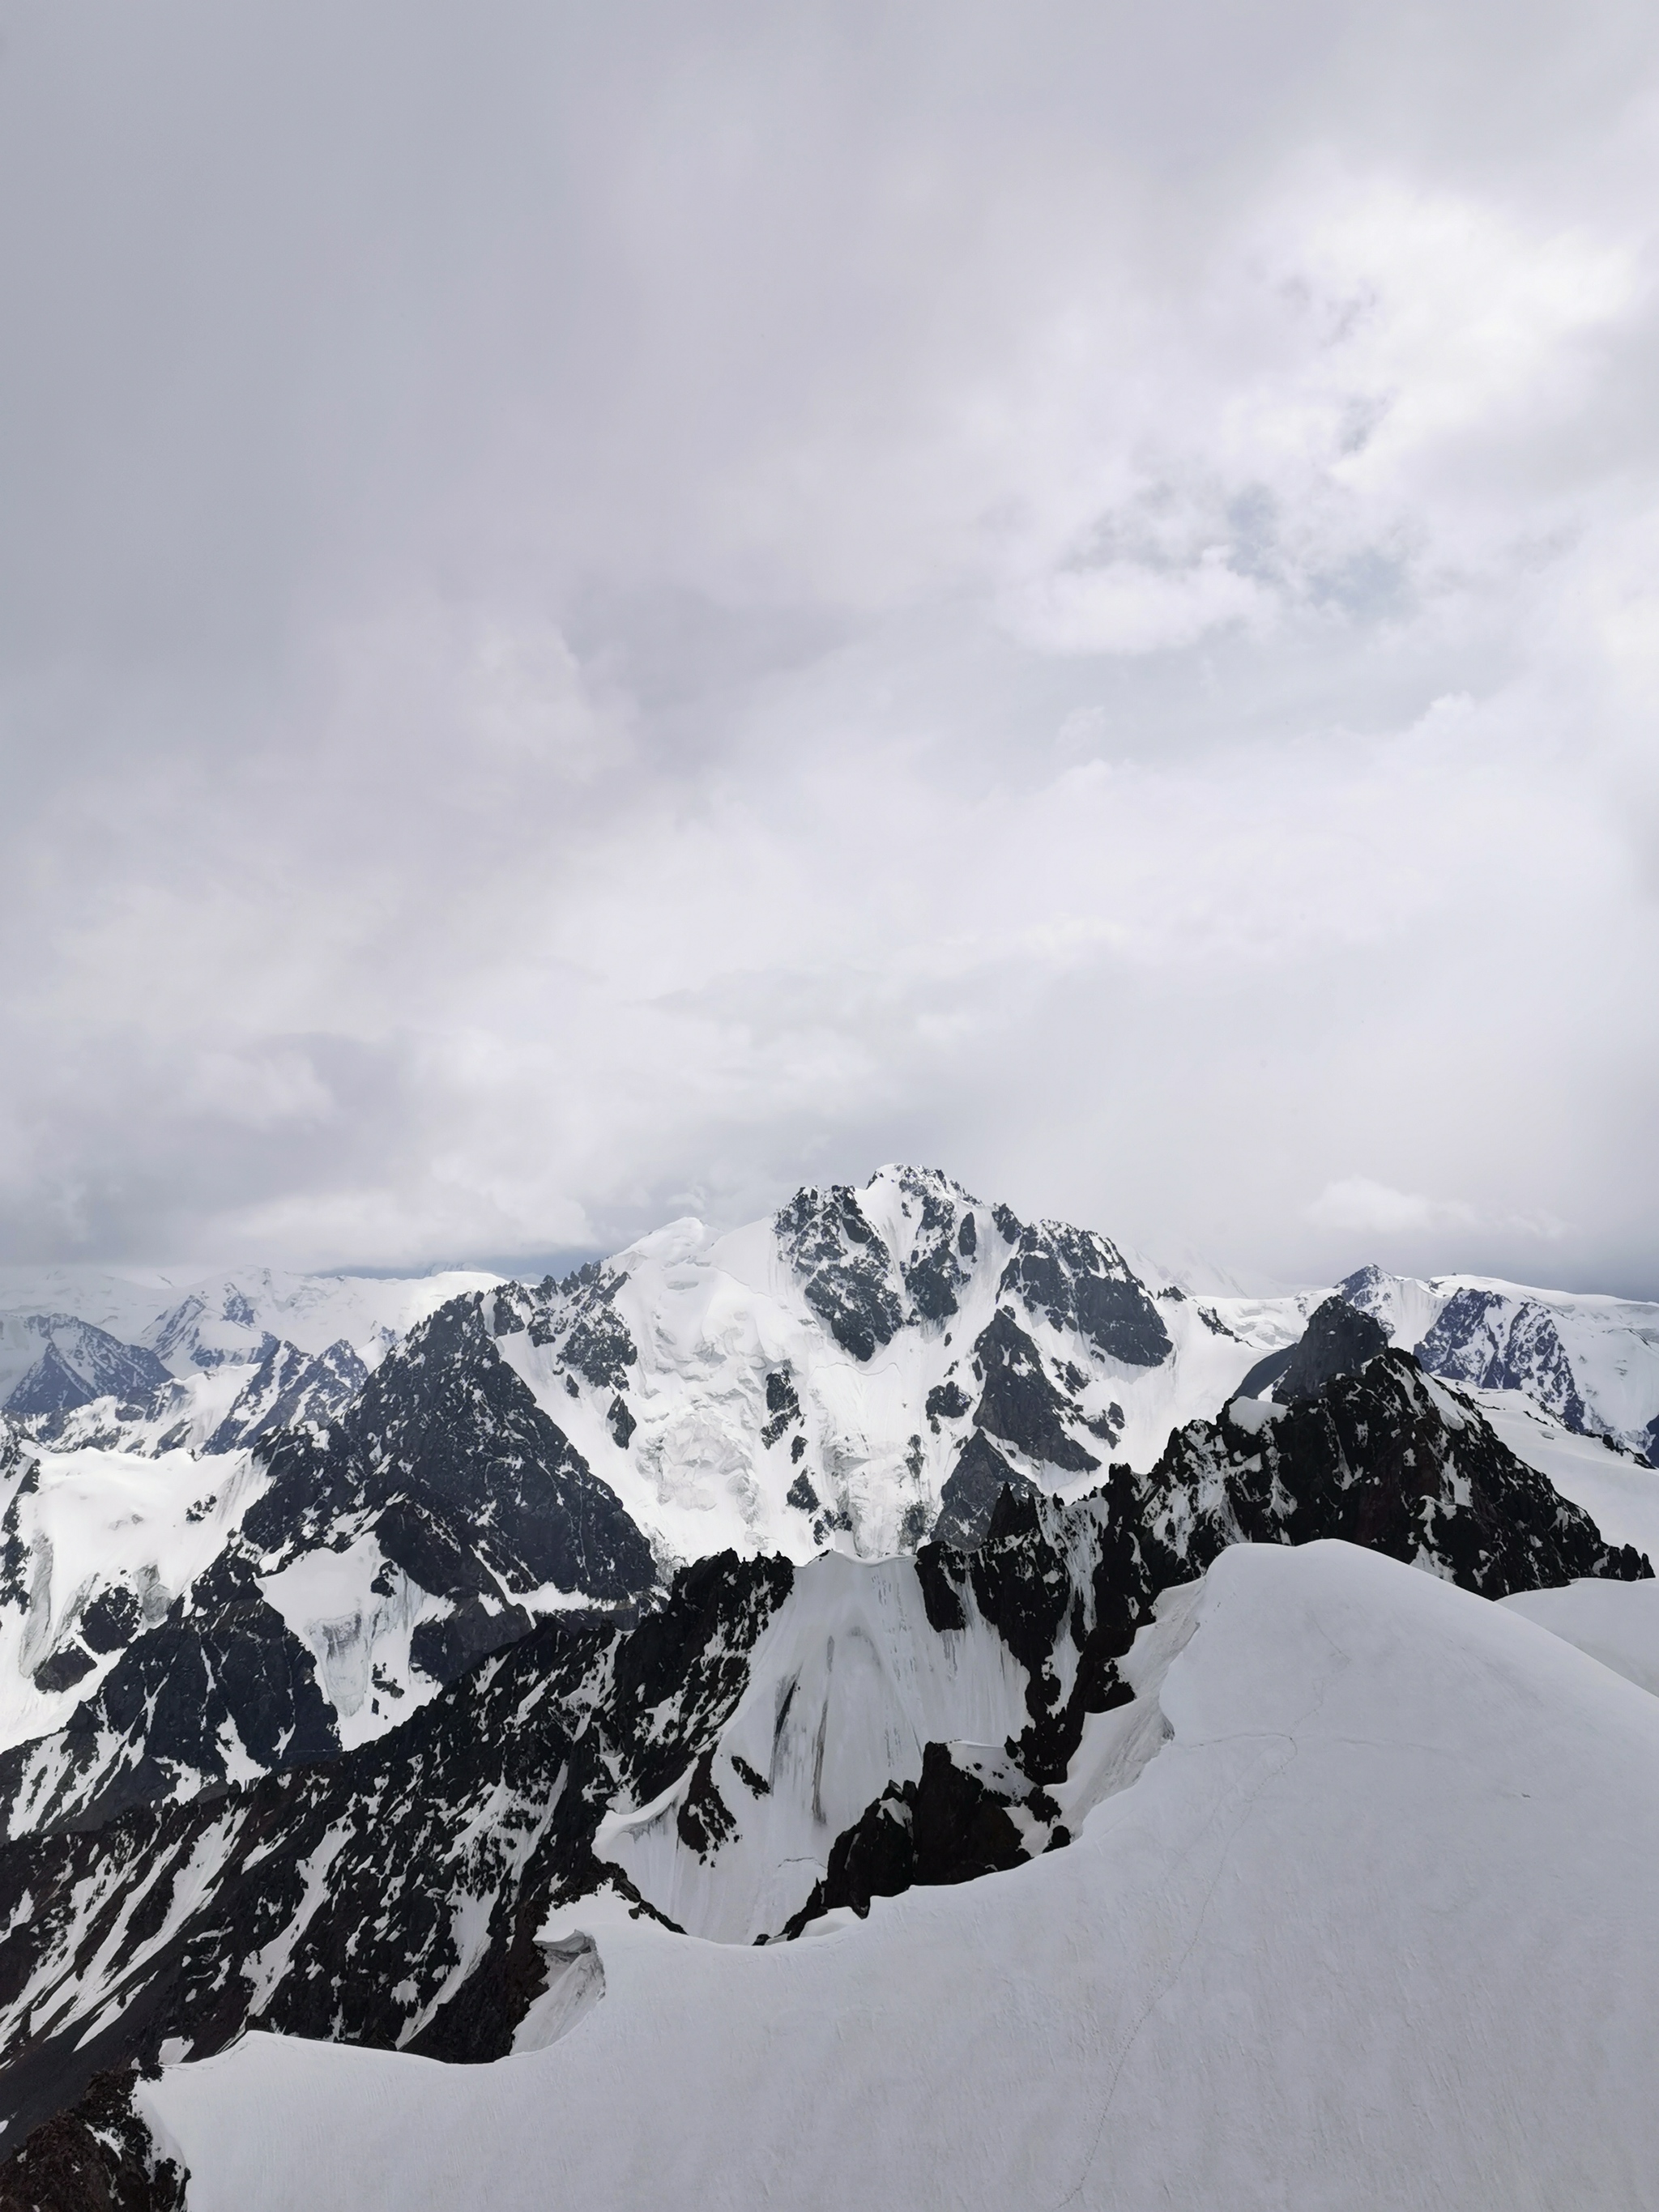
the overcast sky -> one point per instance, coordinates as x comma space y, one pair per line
605, 609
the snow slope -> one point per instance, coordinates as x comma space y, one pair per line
96, 1523
1617, 1623
1375, 1927
1620, 1495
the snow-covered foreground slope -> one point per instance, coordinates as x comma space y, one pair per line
1375, 1927
1617, 1623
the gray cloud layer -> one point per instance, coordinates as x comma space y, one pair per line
603, 609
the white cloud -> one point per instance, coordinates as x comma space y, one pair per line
533, 647
1126, 608
1356, 1203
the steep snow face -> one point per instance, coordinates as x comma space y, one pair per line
97, 1546
1374, 1926
849, 1683
1591, 1363
358, 1613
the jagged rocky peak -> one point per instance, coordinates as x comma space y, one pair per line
905, 1248
476, 1491
1078, 1279
845, 1267
1387, 1457
577, 1318
368, 1559
289, 1387
899, 1253
1339, 1337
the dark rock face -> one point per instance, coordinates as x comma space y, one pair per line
1653, 1442
480, 1811
577, 1317
590, 1333
465, 1480
1019, 1403
1338, 1339
1108, 1425
678, 1676
620, 1421
1376, 1459
971, 1490
66, 1666
471, 1804
1366, 1289
946, 1399
446, 1649
100, 2157
14, 1552
801, 1495
945, 1239
78, 1364
111, 1619
1081, 1280
845, 1269
946, 1827
222, 1666
1490, 1342
782, 1408
1266, 1372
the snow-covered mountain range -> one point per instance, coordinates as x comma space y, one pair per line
352, 1632
865, 1370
